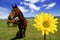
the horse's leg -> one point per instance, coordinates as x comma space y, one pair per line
18, 35
24, 32
8, 24
14, 24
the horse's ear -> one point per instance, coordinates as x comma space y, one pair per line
15, 5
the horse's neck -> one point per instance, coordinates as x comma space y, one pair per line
21, 17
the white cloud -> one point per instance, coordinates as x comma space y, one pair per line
21, 2
50, 5
42, 0
32, 1
44, 5
3, 16
32, 11
27, 4
4, 12
32, 6
35, 1
22, 9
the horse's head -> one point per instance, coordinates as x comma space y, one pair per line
14, 12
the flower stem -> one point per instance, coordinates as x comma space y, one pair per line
44, 36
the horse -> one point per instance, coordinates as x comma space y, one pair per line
21, 23
12, 21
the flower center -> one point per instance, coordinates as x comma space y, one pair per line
45, 24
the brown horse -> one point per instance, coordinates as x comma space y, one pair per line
12, 21
22, 22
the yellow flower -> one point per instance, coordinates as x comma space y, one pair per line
45, 23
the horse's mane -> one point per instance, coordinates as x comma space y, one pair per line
21, 13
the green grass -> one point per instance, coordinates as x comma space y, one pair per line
6, 33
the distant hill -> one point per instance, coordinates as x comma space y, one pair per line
29, 17
57, 16
33, 17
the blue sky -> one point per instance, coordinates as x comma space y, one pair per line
30, 7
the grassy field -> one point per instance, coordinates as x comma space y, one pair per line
6, 33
